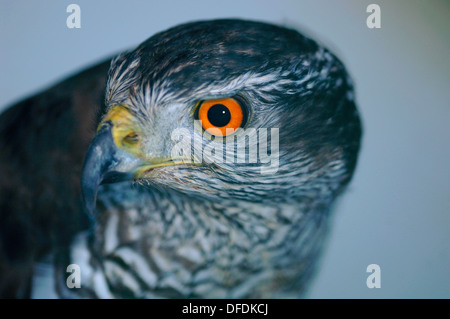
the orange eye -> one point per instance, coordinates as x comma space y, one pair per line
221, 117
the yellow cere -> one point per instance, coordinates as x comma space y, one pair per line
125, 132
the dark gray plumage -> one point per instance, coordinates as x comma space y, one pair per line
215, 229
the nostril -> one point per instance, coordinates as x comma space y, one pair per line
131, 138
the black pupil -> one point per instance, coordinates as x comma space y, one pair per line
219, 115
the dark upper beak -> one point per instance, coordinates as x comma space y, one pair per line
100, 166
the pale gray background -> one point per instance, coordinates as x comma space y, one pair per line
396, 212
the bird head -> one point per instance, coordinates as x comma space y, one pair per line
227, 109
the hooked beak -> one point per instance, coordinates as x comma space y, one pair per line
101, 166
116, 155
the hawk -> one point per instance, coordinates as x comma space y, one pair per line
150, 170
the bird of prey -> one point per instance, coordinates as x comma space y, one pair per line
89, 175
